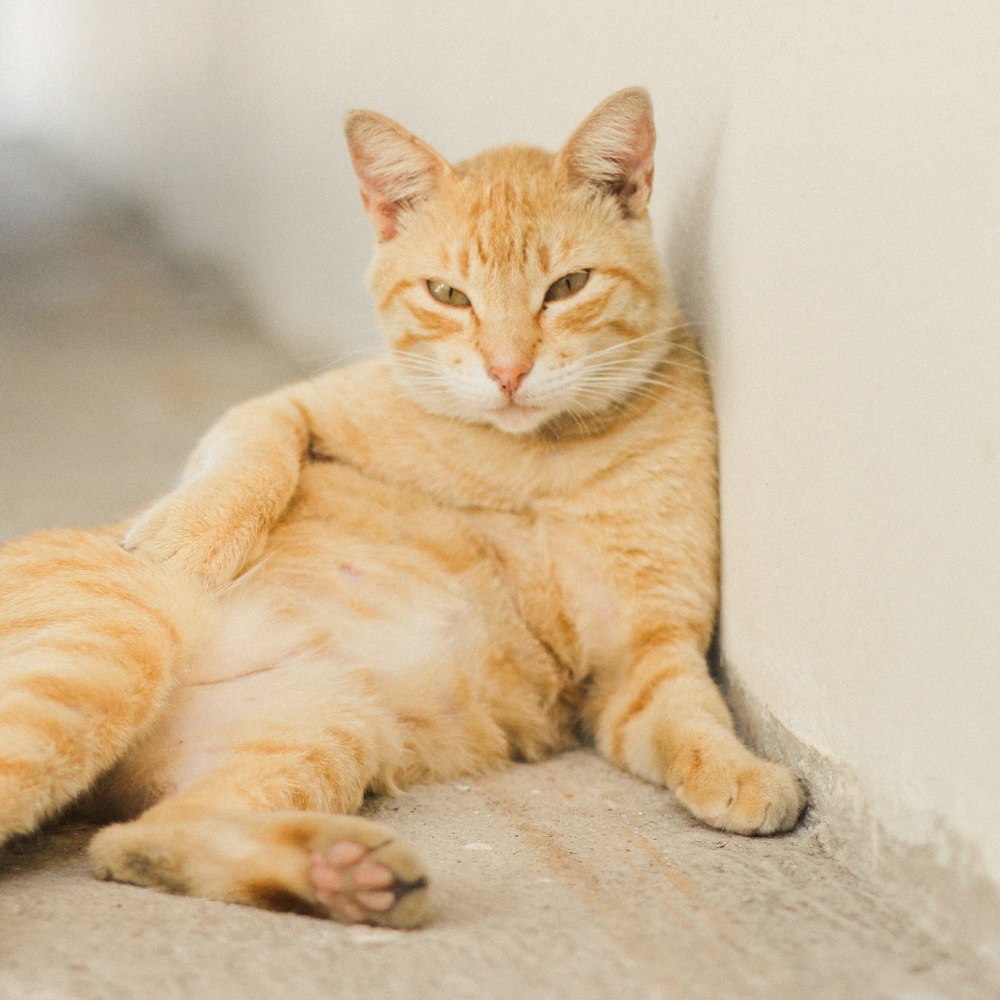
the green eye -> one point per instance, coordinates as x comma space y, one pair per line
567, 285
446, 294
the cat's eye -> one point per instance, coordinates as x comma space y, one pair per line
567, 285
446, 294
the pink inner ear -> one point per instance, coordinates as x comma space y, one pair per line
642, 147
382, 213
379, 207
613, 149
636, 165
396, 169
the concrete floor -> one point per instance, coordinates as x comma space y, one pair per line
565, 879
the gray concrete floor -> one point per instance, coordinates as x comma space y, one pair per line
565, 879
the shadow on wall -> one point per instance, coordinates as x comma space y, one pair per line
688, 239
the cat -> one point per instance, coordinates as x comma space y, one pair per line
497, 538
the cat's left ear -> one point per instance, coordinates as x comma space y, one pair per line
396, 169
612, 150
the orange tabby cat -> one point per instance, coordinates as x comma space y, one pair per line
498, 536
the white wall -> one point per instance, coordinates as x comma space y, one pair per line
829, 199
856, 246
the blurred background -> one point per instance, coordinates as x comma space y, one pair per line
225, 118
180, 227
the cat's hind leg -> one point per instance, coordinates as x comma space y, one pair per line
91, 640
267, 827
346, 868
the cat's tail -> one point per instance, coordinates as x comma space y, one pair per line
91, 641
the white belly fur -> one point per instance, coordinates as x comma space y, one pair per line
276, 658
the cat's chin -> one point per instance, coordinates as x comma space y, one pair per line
517, 419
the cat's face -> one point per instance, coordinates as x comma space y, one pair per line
518, 287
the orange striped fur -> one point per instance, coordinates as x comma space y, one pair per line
500, 535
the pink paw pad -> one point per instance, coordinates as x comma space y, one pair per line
355, 887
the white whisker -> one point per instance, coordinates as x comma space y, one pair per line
681, 364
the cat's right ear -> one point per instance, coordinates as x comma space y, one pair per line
396, 169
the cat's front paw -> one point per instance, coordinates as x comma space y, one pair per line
743, 795
180, 532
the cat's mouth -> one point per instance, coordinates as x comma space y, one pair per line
518, 418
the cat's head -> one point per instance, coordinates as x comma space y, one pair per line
517, 287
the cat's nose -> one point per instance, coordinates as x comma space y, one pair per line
509, 375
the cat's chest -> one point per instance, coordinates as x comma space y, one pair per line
564, 585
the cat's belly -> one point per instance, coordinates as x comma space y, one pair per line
393, 619
286, 657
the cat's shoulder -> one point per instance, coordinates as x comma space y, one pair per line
365, 387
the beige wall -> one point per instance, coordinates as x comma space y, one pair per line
855, 310
829, 199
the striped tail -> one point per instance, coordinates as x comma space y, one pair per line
91, 640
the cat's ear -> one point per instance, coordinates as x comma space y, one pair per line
396, 169
613, 149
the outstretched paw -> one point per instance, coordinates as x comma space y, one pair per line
342, 867
358, 884
746, 795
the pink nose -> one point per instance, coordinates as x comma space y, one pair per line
509, 376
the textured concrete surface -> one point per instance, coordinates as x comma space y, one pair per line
565, 879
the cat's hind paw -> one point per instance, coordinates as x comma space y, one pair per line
345, 868
379, 885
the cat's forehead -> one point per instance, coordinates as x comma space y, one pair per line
515, 163
505, 214
503, 186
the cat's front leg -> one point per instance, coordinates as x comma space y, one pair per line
668, 723
237, 484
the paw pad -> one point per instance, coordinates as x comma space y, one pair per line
354, 886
